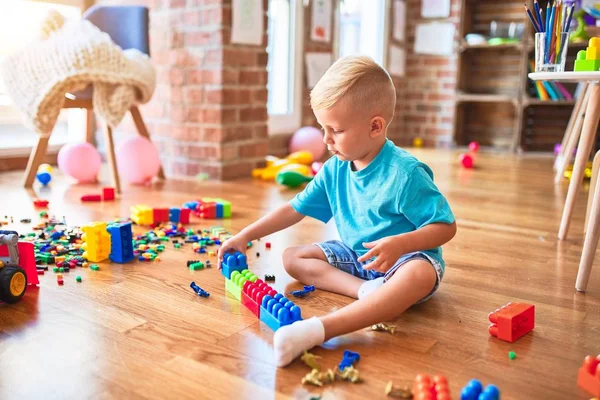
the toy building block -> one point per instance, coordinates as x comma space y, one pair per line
589, 375
303, 292
348, 360
199, 291
184, 215
121, 242
160, 215
277, 311
512, 321
474, 391
108, 193
434, 389
233, 262
174, 215
91, 197
40, 203
253, 293
96, 240
269, 278
142, 214
589, 59
236, 283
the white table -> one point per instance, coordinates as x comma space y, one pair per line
588, 134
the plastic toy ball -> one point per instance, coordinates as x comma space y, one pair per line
466, 160
474, 146
45, 168
44, 178
418, 142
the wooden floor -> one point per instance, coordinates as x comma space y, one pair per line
138, 331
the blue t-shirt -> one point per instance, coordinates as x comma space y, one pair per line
392, 195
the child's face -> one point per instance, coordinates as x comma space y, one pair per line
348, 133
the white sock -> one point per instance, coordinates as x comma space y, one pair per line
369, 287
291, 340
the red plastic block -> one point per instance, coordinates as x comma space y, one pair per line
207, 210
589, 375
512, 321
160, 215
184, 216
40, 203
434, 389
108, 193
268, 245
91, 197
253, 293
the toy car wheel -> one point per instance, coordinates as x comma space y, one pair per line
13, 283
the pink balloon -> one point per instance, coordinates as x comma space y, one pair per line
80, 161
308, 138
137, 160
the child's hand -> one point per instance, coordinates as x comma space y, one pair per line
233, 244
387, 252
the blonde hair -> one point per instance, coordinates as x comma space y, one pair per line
359, 81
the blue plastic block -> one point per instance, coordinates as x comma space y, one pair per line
490, 392
233, 262
278, 311
350, 358
473, 391
199, 291
219, 209
121, 242
174, 214
192, 205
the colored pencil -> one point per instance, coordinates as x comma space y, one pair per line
533, 21
538, 17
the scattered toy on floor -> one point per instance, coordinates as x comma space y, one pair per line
512, 321
512, 355
318, 378
303, 292
384, 327
588, 377
349, 359
401, 393
474, 391
269, 278
311, 360
199, 291
434, 389
268, 245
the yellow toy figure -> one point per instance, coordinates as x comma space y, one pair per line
299, 161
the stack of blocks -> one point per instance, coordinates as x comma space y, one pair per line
142, 214
589, 59
262, 300
96, 240
210, 208
121, 242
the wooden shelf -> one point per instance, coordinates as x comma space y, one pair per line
537, 102
485, 98
485, 46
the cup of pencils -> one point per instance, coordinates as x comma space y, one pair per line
552, 35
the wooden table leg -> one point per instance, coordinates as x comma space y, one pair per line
35, 159
112, 160
591, 240
564, 158
595, 172
590, 125
577, 111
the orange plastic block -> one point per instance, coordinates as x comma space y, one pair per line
512, 321
426, 388
589, 375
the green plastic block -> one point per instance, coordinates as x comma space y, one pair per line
78, 278
587, 65
233, 289
94, 267
177, 245
55, 269
61, 269
197, 266
161, 248
512, 355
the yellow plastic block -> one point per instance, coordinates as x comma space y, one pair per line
96, 244
592, 53
142, 214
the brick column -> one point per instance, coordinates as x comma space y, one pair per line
209, 112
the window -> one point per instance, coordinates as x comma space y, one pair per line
285, 33
21, 22
362, 29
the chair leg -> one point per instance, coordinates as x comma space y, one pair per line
90, 125
143, 131
35, 159
564, 158
110, 151
588, 133
591, 240
595, 171
577, 110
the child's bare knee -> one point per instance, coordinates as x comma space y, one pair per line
289, 258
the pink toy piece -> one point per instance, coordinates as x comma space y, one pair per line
80, 161
137, 160
316, 167
466, 160
308, 138
474, 147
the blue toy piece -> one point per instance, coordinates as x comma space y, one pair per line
349, 359
304, 292
174, 215
121, 242
44, 178
219, 210
473, 391
233, 262
199, 291
192, 205
278, 311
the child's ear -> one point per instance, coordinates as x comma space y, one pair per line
377, 126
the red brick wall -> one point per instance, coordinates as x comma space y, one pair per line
428, 97
209, 111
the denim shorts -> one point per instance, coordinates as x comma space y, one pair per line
344, 258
